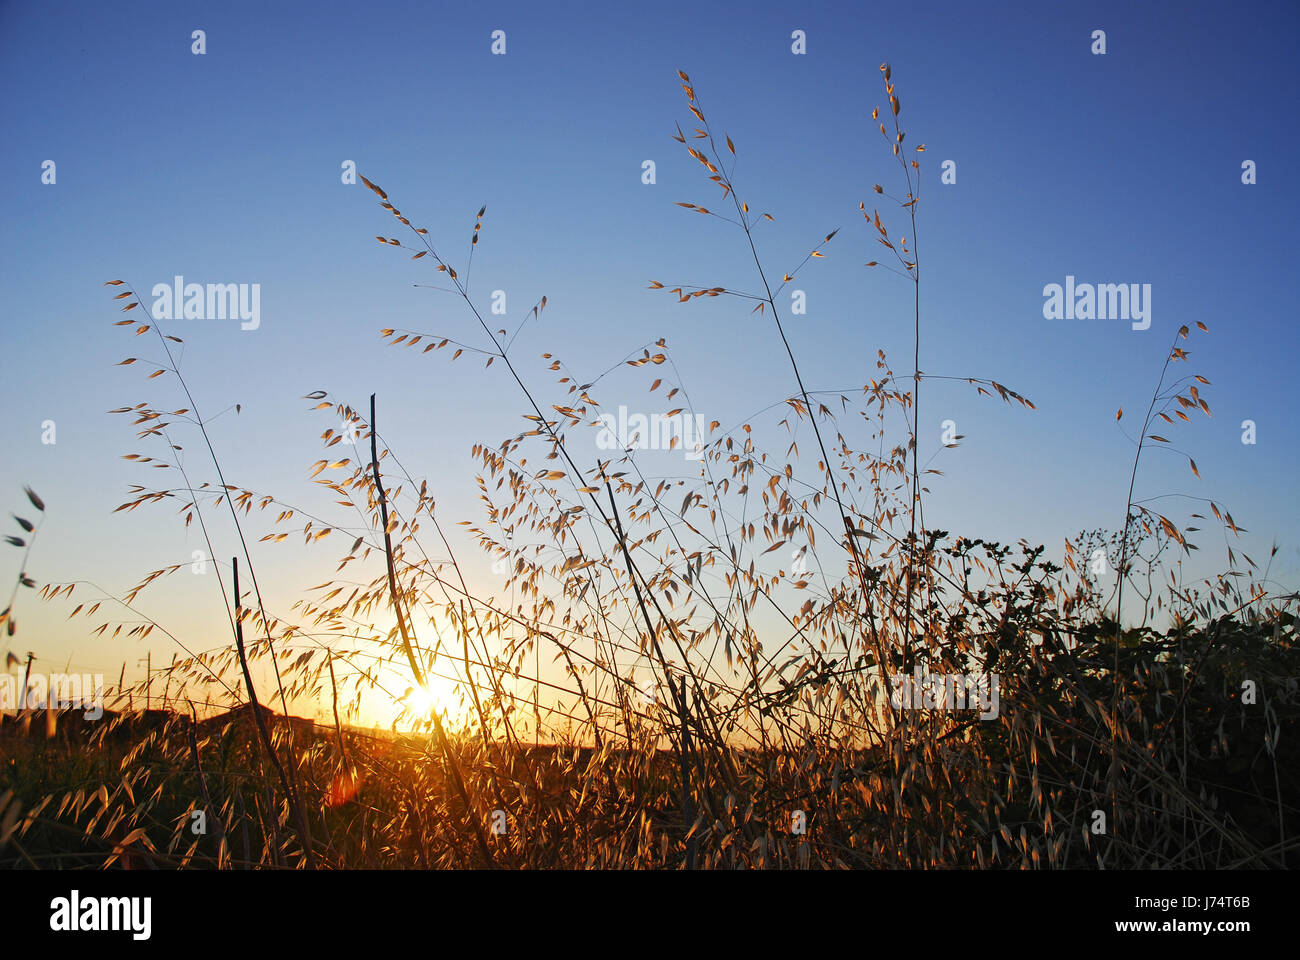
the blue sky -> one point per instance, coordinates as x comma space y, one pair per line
225, 167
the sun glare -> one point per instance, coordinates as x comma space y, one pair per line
419, 703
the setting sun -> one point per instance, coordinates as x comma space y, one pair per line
419, 703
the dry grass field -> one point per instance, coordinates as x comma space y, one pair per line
1136, 722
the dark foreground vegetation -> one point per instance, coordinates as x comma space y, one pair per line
1203, 781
